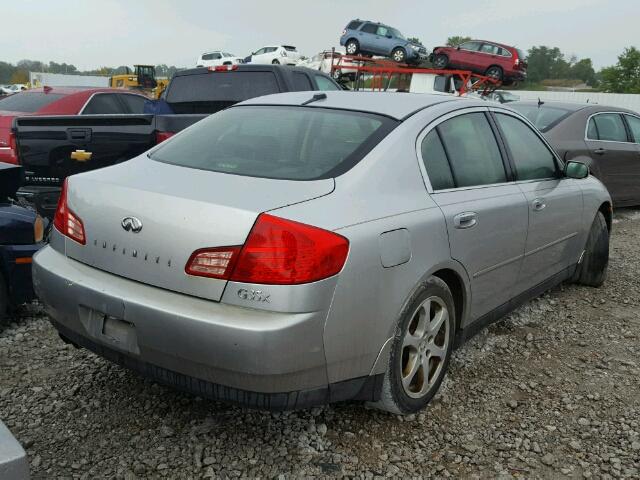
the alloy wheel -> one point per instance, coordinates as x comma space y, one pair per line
424, 347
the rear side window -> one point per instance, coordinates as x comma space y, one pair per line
210, 92
324, 84
103, 104
634, 125
472, 150
28, 102
211, 56
134, 103
532, 158
293, 143
488, 48
301, 82
609, 127
354, 25
436, 162
370, 28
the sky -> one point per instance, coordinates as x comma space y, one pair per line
94, 33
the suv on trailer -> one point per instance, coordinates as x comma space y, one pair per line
370, 38
504, 63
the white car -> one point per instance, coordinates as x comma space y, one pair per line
276, 54
216, 58
16, 87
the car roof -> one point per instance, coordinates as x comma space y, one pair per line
250, 67
72, 90
574, 106
391, 104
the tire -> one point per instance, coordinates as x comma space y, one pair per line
275, 62
352, 47
337, 74
440, 61
4, 298
592, 271
495, 72
399, 55
404, 390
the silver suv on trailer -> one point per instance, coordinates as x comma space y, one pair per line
305, 248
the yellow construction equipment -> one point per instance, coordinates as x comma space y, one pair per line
142, 78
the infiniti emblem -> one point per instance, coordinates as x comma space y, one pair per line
131, 224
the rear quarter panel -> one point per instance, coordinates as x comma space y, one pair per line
383, 193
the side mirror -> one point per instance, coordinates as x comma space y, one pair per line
458, 47
389, 36
577, 170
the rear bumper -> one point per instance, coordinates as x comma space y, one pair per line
253, 357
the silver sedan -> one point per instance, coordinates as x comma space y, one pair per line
305, 248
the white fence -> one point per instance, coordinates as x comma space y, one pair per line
630, 101
42, 79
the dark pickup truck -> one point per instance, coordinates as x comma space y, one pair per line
50, 148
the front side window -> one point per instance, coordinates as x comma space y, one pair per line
472, 150
532, 158
609, 127
324, 84
293, 143
634, 125
473, 46
436, 163
103, 104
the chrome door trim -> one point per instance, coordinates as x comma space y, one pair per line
497, 265
551, 244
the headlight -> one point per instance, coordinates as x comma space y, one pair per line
415, 47
38, 229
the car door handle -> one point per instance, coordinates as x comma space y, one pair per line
465, 220
600, 151
538, 204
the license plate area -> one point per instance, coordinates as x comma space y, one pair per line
110, 330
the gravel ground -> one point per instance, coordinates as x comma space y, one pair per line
549, 392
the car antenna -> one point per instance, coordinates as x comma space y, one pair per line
315, 98
540, 102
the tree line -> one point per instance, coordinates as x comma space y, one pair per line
19, 73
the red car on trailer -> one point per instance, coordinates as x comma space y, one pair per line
502, 62
61, 101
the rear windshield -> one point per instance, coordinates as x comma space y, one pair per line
28, 102
292, 143
543, 117
211, 92
289, 48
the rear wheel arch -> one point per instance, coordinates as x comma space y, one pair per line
458, 291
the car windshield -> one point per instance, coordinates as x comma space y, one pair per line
279, 142
28, 102
543, 117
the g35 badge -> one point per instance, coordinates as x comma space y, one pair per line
254, 295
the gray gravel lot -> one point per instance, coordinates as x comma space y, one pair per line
549, 392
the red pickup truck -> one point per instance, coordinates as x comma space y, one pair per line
61, 101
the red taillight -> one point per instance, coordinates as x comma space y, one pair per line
223, 68
162, 136
8, 154
213, 262
278, 252
66, 222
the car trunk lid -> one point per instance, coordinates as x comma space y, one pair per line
181, 210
